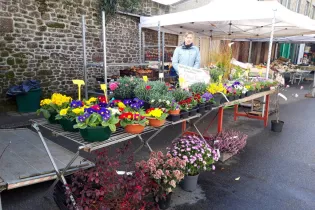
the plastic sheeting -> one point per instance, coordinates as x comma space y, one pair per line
25, 87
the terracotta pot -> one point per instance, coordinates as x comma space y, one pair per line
134, 129
174, 112
156, 123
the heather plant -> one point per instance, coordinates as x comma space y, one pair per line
229, 141
125, 87
180, 95
143, 91
161, 100
199, 156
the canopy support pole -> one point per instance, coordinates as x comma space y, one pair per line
159, 46
269, 53
140, 45
104, 47
276, 50
250, 52
84, 59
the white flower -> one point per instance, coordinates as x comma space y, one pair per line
152, 101
160, 100
168, 102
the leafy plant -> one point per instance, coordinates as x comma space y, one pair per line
111, 6
180, 94
160, 100
216, 73
229, 141
126, 86
198, 88
199, 156
158, 86
54, 104
142, 91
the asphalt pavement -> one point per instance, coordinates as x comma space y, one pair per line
275, 170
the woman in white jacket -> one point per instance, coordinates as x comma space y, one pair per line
186, 54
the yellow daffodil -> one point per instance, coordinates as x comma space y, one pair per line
216, 87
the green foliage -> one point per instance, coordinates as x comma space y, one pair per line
215, 73
161, 100
180, 94
139, 121
142, 92
198, 88
158, 86
126, 87
46, 112
111, 6
95, 120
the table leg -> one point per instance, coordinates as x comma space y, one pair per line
183, 127
220, 120
266, 111
235, 111
313, 88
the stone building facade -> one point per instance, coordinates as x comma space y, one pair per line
42, 40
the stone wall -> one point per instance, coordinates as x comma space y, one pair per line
42, 39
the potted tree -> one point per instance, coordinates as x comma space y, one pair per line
96, 124
277, 125
199, 156
156, 116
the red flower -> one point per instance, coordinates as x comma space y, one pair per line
95, 107
149, 110
148, 87
102, 99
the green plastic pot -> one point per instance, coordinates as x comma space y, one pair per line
94, 134
30, 101
67, 125
52, 118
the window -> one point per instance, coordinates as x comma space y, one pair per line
306, 8
298, 6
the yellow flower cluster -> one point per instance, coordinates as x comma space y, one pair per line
216, 87
91, 100
156, 113
45, 102
121, 105
60, 99
78, 111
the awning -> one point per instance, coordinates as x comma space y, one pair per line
230, 19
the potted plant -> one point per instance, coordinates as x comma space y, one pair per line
166, 172
201, 103
250, 90
156, 116
67, 116
96, 124
198, 88
208, 98
158, 100
199, 156
229, 143
51, 107
174, 111
217, 89
124, 87
180, 95
277, 125
133, 122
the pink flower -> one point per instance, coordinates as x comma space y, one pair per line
173, 183
113, 86
213, 167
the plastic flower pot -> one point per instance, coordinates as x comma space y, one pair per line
155, 122
193, 112
146, 105
249, 93
202, 108
94, 134
174, 112
236, 97
189, 183
184, 114
277, 126
30, 101
173, 118
52, 118
208, 106
165, 203
217, 99
134, 128
67, 125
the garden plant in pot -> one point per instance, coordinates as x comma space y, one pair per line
201, 103
188, 107
133, 122
250, 90
67, 117
156, 116
124, 87
229, 143
277, 125
50, 107
208, 98
174, 111
96, 124
217, 89
199, 156
166, 172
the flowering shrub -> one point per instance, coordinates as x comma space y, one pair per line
156, 113
165, 170
97, 116
53, 104
197, 153
101, 187
229, 141
132, 118
70, 113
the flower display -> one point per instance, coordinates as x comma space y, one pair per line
131, 104
131, 118
196, 152
187, 104
207, 96
113, 86
60, 99
75, 104
102, 99
75, 109
216, 88
165, 170
91, 101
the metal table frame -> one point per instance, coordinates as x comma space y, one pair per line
117, 137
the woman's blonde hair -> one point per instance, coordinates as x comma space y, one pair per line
189, 33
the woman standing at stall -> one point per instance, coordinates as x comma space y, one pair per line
187, 54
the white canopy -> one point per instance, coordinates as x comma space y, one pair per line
231, 19
308, 38
167, 2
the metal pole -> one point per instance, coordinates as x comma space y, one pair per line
140, 52
210, 46
250, 52
143, 47
84, 58
104, 47
163, 50
159, 47
269, 53
276, 51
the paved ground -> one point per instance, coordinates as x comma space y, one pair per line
275, 170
